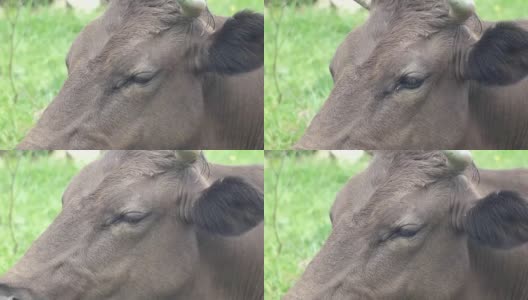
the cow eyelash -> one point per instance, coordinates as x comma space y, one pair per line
405, 232
142, 78
138, 78
132, 217
410, 82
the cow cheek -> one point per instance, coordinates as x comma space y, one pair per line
169, 259
180, 107
424, 273
445, 258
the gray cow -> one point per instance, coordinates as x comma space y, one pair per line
418, 225
154, 74
426, 74
150, 225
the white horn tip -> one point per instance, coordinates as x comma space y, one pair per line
193, 8
461, 9
460, 159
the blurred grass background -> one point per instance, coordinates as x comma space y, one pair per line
40, 181
43, 37
306, 190
308, 38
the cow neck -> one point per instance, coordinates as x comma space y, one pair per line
230, 267
499, 116
498, 274
230, 102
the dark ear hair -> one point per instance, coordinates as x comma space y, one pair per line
237, 47
500, 57
500, 220
230, 206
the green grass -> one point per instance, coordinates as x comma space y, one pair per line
41, 179
43, 38
308, 38
307, 189
39, 184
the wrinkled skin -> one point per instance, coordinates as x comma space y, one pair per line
408, 79
401, 230
145, 76
131, 229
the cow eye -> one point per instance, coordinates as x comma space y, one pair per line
405, 232
410, 82
142, 78
138, 78
133, 217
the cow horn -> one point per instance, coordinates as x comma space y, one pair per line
189, 156
192, 8
459, 159
364, 3
461, 10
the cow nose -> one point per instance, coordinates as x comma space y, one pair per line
10, 293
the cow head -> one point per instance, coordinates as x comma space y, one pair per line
407, 228
133, 225
402, 79
138, 74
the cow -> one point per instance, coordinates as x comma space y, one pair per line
160, 75
150, 225
416, 225
426, 75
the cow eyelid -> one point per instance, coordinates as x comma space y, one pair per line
410, 81
139, 78
402, 232
142, 77
131, 217
408, 230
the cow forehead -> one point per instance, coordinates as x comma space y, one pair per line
418, 10
404, 169
398, 24
124, 19
395, 181
122, 173
390, 207
152, 15
126, 24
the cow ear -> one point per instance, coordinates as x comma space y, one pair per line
237, 47
230, 206
500, 57
500, 220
